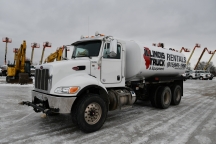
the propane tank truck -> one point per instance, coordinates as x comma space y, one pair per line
105, 74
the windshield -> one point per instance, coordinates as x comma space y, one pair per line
87, 49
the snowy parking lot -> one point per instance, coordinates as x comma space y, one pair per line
193, 121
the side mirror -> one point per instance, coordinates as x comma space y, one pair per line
113, 48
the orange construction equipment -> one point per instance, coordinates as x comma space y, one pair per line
45, 44
209, 60
196, 46
184, 49
6, 40
210, 52
34, 45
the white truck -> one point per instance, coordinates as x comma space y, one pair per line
104, 74
193, 74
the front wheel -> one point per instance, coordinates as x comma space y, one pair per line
92, 113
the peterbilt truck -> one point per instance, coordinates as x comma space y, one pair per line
105, 74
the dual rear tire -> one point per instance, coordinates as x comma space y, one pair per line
164, 96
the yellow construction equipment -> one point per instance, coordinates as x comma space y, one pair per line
210, 52
45, 44
19, 72
57, 55
209, 60
196, 46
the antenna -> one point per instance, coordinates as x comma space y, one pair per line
88, 25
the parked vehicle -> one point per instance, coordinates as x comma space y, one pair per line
193, 74
186, 75
4, 70
106, 74
203, 74
32, 70
0, 71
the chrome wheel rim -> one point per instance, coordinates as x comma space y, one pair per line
167, 98
92, 113
178, 95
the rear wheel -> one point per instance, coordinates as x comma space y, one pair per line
190, 77
164, 96
176, 95
92, 113
201, 78
154, 97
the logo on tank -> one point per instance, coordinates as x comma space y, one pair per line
154, 60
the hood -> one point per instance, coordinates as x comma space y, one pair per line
61, 69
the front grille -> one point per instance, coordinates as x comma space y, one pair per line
41, 79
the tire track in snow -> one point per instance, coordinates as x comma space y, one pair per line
135, 120
169, 124
128, 119
195, 123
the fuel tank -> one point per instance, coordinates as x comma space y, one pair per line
151, 61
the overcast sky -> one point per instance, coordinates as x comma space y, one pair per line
176, 23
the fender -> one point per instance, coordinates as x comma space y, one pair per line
82, 80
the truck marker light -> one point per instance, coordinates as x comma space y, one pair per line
73, 90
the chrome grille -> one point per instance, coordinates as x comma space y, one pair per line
41, 79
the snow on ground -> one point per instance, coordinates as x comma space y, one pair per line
193, 121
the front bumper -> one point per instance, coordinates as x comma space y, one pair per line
61, 103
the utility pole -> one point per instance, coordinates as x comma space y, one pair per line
6, 40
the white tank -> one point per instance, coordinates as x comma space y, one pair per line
145, 62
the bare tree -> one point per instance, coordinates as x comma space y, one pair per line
189, 66
211, 68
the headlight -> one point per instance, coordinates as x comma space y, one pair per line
66, 90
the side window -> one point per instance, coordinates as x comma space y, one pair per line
107, 51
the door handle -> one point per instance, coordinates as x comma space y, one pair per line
118, 77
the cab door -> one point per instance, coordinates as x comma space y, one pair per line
111, 66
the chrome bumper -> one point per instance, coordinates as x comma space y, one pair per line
64, 104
